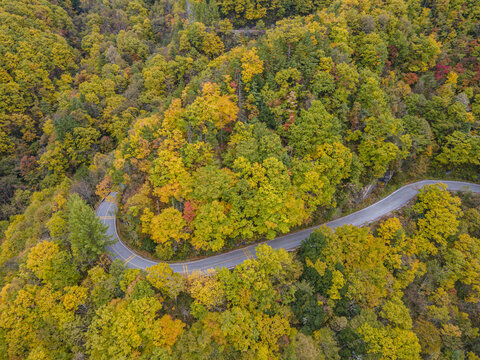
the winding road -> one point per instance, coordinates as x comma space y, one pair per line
107, 209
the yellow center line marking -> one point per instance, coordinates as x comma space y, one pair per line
214, 265
209, 268
247, 253
107, 217
120, 256
130, 258
110, 204
108, 209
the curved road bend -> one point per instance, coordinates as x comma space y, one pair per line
106, 212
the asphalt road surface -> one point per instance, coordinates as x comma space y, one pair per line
107, 209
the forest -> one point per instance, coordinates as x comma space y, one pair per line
222, 123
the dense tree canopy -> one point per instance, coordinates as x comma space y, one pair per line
222, 123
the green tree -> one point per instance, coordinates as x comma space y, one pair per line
460, 149
52, 265
211, 226
124, 329
86, 233
315, 126
439, 214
